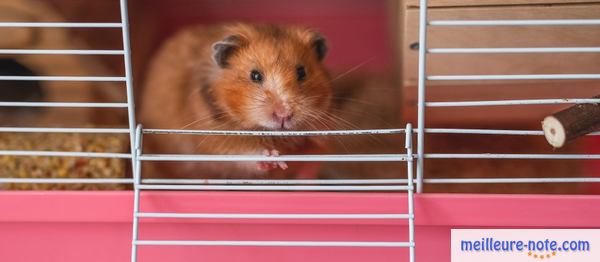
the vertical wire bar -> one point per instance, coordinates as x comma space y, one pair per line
137, 177
411, 213
135, 135
128, 75
421, 97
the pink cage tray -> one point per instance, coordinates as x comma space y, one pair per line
96, 226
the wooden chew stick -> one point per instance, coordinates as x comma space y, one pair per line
571, 123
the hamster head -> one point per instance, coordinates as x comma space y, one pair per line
272, 77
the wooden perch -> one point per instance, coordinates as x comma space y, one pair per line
571, 123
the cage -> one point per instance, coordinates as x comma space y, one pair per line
399, 212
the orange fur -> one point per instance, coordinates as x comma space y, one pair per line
186, 88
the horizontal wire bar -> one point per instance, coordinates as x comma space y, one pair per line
60, 24
427, 180
382, 216
488, 131
276, 133
67, 180
64, 130
275, 181
540, 22
511, 180
358, 132
63, 104
483, 131
274, 216
514, 77
59, 52
64, 78
514, 102
270, 243
513, 156
63, 154
274, 188
355, 132
509, 50
294, 158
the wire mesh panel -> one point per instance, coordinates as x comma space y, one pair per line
424, 77
125, 80
365, 185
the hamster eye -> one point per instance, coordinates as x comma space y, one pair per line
256, 76
301, 73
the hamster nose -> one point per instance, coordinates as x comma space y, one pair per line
281, 117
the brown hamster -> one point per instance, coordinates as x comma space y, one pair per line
237, 77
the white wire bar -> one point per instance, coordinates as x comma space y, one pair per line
484, 131
514, 102
135, 134
511, 180
539, 22
514, 77
64, 130
421, 87
61, 25
273, 216
426, 181
270, 243
128, 80
64, 154
276, 181
513, 156
411, 212
367, 216
489, 131
514, 50
67, 180
137, 177
274, 188
276, 133
63, 104
64, 78
59, 52
293, 158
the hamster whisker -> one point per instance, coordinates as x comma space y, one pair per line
343, 122
364, 102
314, 115
253, 96
353, 69
207, 136
215, 116
317, 116
361, 114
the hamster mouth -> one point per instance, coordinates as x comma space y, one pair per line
278, 126
281, 127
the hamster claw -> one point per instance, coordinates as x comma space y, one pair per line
270, 165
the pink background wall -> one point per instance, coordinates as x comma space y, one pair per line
357, 30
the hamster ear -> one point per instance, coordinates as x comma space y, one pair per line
320, 46
223, 49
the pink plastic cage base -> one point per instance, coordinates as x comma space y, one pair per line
96, 226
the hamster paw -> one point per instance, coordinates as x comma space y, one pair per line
270, 165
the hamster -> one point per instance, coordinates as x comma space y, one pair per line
238, 77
